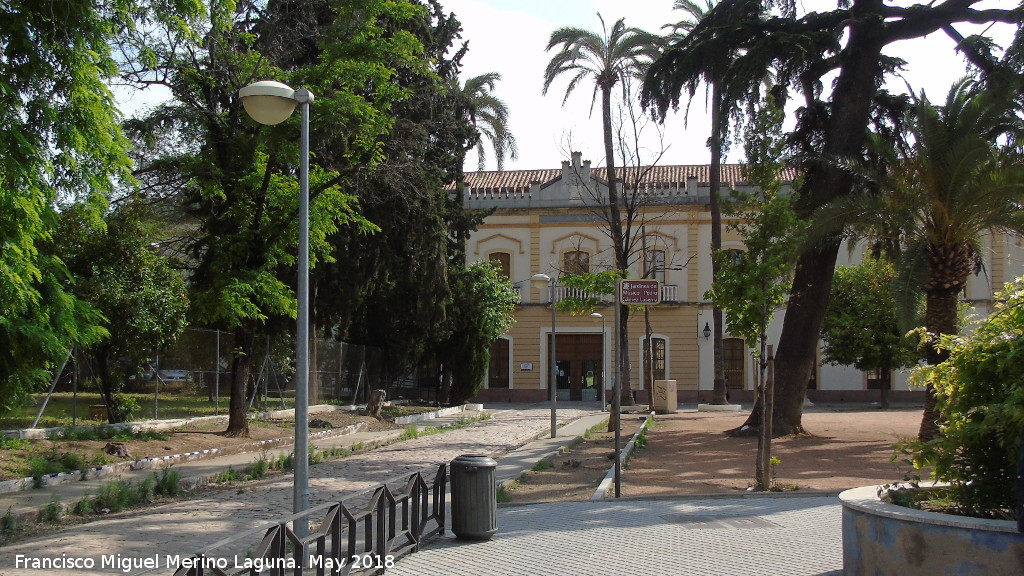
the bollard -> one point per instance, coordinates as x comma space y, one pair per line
474, 497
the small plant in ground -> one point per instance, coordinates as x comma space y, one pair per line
259, 468
167, 484
84, 507
542, 465
283, 462
229, 475
12, 443
411, 432
774, 463
595, 429
8, 523
117, 495
51, 512
502, 496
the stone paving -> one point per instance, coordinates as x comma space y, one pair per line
185, 527
713, 537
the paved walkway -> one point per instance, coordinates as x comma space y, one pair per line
711, 536
685, 537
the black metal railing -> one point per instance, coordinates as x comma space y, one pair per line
353, 537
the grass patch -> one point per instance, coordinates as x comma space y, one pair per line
542, 465
87, 433
596, 429
399, 411
115, 496
226, 476
61, 407
53, 462
12, 443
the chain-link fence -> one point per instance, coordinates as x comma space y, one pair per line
199, 363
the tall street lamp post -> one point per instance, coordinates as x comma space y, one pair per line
269, 103
539, 281
601, 316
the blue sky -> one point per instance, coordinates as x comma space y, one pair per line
509, 36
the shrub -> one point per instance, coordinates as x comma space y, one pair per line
51, 512
980, 393
167, 484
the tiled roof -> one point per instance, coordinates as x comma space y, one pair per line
654, 176
510, 179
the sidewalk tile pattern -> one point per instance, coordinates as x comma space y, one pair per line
787, 536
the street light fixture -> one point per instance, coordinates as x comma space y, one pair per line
269, 103
601, 316
539, 281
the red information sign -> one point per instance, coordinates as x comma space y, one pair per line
639, 292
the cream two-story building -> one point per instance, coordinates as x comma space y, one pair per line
551, 222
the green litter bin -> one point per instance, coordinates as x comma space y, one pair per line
474, 497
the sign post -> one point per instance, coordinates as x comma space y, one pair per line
643, 292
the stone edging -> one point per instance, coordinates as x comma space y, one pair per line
424, 416
602, 489
20, 484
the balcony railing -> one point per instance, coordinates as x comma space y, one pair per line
669, 293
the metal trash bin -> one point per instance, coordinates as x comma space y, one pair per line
474, 497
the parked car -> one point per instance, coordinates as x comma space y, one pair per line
175, 376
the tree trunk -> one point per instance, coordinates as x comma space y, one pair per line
376, 403
718, 395
886, 386
620, 244
241, 368
108, 386
798, 343
940, 318
845, 131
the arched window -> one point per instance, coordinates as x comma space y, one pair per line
576, 262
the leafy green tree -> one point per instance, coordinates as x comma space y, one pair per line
753, 281
980, 393
844, 48
609, 58
489, 115
236, 180
483, 309
142, 299
395, 290
948, 184
60, 145
862, 324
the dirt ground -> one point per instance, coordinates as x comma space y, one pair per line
15, 458
689, 453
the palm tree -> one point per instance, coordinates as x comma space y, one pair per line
946, 186
489, 116
695, 13
609, 58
